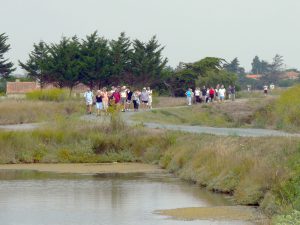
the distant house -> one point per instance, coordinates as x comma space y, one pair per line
18, 87
254, 76
290, 75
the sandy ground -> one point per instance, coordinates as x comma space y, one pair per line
86, 168
243, 213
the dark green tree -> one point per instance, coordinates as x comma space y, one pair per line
65, 62
210, 72
37, 64
260, 66
6, 67
96, 61
121, 54
277, 64
234, 67
202, 66
183, 80
275, 69
256, 66
147, 62
212, 78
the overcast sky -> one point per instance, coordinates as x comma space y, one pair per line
189, 29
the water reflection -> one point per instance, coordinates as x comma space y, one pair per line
35, 198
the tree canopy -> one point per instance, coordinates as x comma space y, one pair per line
6, 67
96, 62
36, 65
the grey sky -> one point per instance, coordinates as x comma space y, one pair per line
189, 29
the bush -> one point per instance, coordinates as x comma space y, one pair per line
287, 108
56, 95
290, 219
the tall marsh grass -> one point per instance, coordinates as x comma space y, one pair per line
283, 112
256, 171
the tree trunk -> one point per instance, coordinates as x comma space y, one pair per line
70, 92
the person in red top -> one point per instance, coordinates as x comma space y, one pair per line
116, 96
211, 94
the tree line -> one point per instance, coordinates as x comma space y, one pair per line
96, 61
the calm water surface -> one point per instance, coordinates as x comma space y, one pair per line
35, 198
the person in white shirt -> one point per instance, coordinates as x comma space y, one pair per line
123, 94
150, 97
197, 95
88, 96
222, 93
266, 90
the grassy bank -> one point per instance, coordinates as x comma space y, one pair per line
256, 171
27, 111
72, 140
226, 114
281, 112
42, 106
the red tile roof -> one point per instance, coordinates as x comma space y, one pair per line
253, 76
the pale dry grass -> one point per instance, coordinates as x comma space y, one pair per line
160, 102
17, 111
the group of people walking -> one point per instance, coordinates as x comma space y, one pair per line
118, 96
205, 95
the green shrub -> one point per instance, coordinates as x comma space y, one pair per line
288, 108
48, 95
290, 219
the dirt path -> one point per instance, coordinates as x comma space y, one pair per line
20, 127
127, 116
243, 132
89, 168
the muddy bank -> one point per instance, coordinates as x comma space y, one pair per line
242, 213
86, 168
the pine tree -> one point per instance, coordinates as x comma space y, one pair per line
37, 64
120, 53
6, 67
147, 61
234, 67
256, 65
65, 64
96, 60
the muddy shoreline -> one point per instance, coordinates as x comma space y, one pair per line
86, 168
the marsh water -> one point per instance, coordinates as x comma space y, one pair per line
38, 198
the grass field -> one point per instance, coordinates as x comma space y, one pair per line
238, 113
15, 111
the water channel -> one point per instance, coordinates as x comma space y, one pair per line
39, 198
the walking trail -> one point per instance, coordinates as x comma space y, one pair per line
244, 132
127, 116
